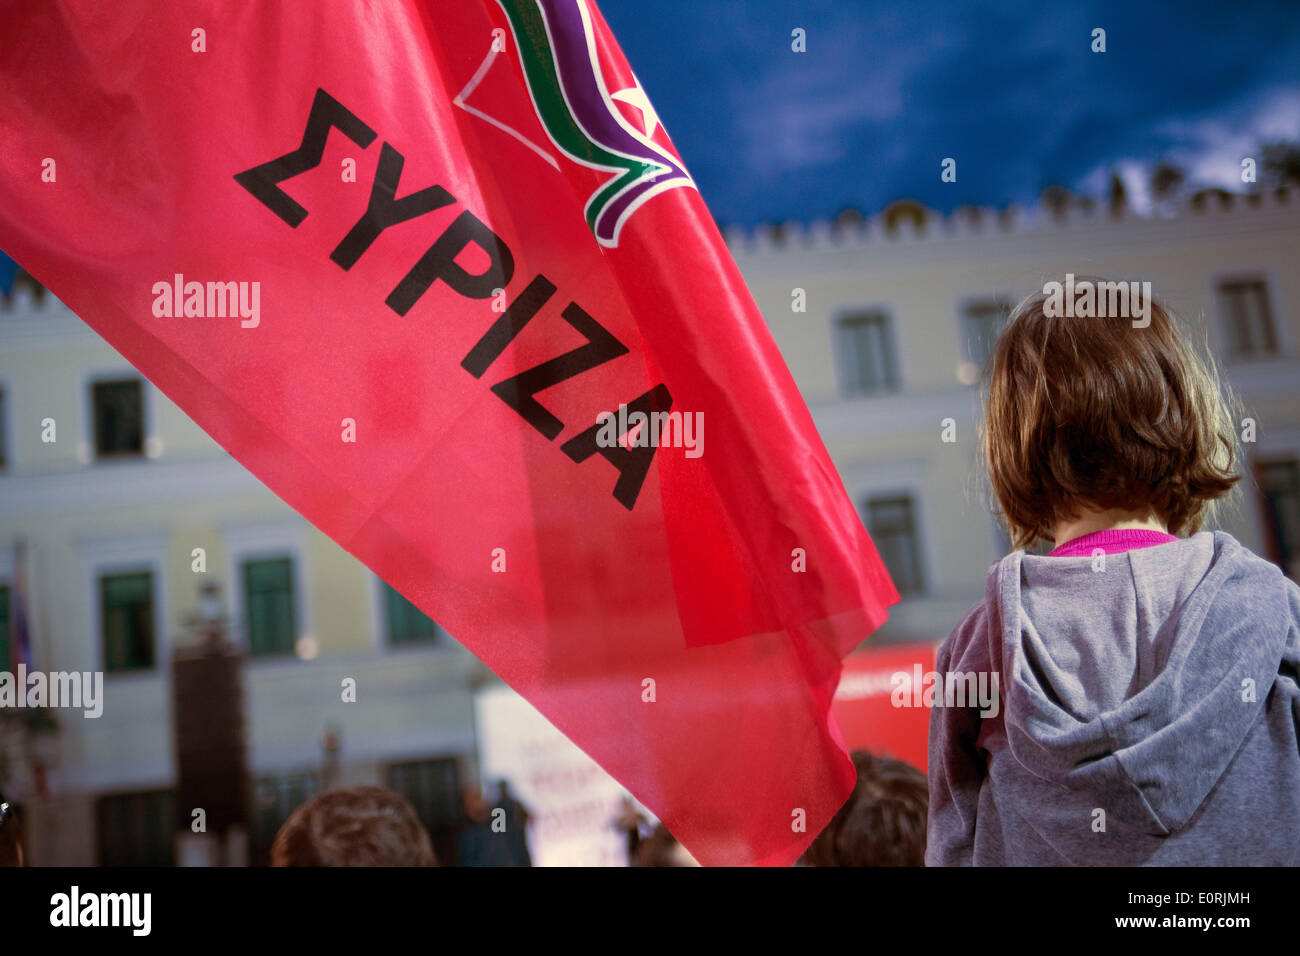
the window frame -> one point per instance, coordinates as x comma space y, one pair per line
923, 587
1268, 532
433, 640
379, 625
150, 443
243, 584
125, 555
893, 352
892, 479
1220, 334
101, 599
964, 304
260, 541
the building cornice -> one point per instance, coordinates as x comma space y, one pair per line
1214, 216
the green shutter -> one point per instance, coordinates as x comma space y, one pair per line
126, 603
406, 622
269, 606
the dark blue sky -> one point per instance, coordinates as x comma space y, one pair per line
1009, 88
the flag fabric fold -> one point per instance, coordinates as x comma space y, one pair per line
435, 273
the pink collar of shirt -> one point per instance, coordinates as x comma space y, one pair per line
1111, 542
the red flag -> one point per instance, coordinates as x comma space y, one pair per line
457, 233
880, 703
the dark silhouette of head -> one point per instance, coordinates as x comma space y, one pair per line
354, 826
882, 823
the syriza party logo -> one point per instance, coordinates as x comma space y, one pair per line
590, 105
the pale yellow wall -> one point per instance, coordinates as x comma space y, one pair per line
183, 580
341, 595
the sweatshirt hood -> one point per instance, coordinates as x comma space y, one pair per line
1139, 673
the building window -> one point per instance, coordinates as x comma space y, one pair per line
269, 606
1279, 485
891, 520
127, 621
135, 829
119, 418
405, 622
1248, 319
14, 277
275, 798
981, 324
6, 624
1001, 538
865, 352
433, 787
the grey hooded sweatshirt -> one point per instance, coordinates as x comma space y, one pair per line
1149, 713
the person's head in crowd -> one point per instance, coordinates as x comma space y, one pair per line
475, 806
354, 826
11, 836
882, 823
1107, 415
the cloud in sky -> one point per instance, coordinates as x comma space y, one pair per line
1009, 88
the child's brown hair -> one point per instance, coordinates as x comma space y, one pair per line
354, 826
1100, 413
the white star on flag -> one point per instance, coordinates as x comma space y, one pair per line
635, 96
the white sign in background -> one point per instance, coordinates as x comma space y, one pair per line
573, 801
